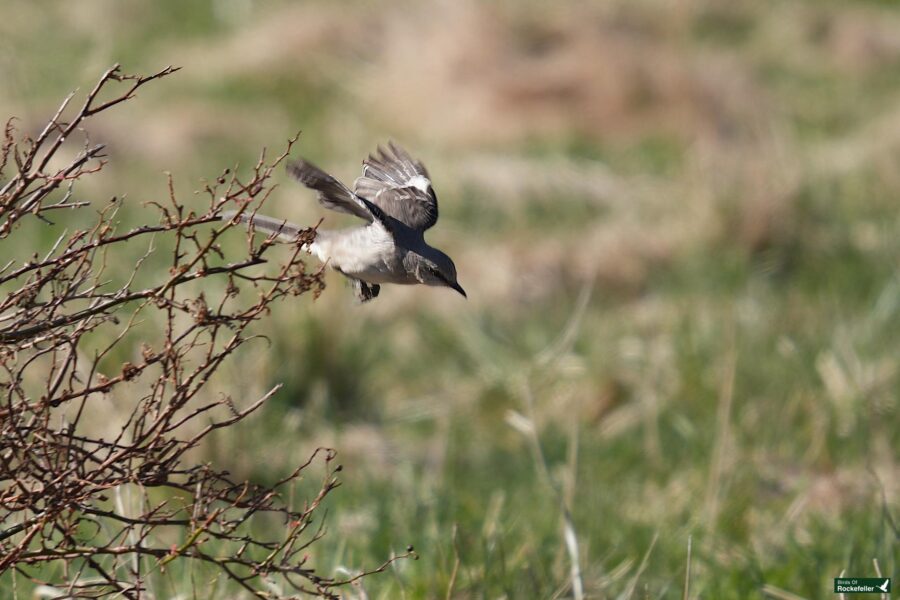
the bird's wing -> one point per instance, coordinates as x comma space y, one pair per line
335, 195
400, 186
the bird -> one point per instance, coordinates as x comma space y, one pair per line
395, 197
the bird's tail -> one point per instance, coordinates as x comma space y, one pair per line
285, 230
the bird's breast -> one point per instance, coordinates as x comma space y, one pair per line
366, 253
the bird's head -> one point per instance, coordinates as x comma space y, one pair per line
438, 269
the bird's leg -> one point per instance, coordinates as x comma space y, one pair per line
364, 291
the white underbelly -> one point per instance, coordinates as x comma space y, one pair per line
367, 253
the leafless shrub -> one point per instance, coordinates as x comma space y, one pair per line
64, 326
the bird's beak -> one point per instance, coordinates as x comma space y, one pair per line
459, 289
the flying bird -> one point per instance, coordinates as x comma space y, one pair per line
395, 198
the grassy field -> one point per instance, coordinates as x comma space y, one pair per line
678, 227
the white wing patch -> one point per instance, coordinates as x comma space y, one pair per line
421, 182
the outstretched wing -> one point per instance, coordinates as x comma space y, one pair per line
400, 186
335, 195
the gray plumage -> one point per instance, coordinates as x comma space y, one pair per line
395, 197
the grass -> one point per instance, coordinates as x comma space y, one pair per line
732, 379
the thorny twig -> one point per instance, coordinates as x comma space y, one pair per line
64, 321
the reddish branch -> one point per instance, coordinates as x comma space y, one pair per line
56, 476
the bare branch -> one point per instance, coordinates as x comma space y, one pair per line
63, 319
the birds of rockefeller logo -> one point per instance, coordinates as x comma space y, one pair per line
862, 585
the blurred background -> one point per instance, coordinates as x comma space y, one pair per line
678, 226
